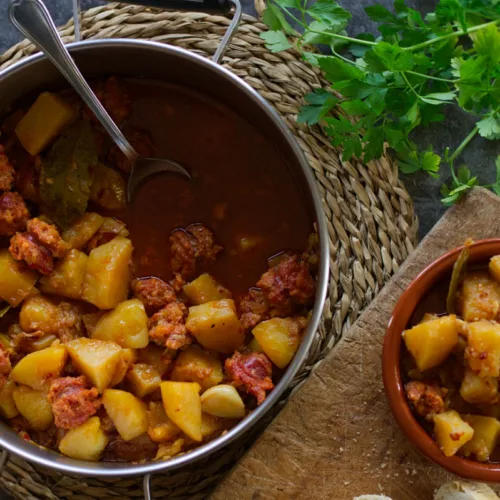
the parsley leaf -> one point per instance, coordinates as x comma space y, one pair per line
276, 41
489, 127
320, 104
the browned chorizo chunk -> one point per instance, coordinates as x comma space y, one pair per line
69, 322
427, 399
288, 283
48, 235
13, 213
252, 372
190, 246
5, 366
6, 171
142, 143
154, 293
73, 402
24, 246
167, 326
253, 308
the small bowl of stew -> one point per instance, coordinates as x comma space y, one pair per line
441, 361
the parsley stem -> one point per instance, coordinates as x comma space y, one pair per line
463, 144
429, 77
409, 84
453, 34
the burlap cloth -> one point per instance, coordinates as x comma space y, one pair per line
371, 222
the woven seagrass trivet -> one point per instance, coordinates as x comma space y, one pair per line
371, 223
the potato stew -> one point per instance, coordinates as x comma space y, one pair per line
138, 332
452, 361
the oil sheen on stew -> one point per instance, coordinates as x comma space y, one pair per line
141, 331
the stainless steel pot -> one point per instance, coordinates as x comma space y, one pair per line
167, 63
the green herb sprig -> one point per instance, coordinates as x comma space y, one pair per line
401, 80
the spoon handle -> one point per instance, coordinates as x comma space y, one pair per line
33, 20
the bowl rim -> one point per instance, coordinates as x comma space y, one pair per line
66, 465
391, 370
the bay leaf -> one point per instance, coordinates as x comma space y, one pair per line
66, 174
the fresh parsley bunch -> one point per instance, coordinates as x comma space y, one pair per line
400, 80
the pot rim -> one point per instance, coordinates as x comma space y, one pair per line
391, 365
66, 465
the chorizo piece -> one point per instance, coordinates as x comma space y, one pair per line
24, 246
7, 173
48, 235
253, 308
251, 372
13, 213
154, 293
73, 403
167, 327
427, 399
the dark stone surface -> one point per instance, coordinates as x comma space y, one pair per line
479, 156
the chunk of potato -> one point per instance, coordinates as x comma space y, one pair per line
216, 326
160, 427
114, 226
205, 289
127, 413
196, 365
483, 351
451, 432
154, 355
279, 339
128, 357
96, 359
85, 442
38, 313
8, 408
78, 235
107, 275
143, 379
38, 369
108, 188
223, 401
211, 425
17, 282
169, 450
34, 406
126, 324
430, 343
494, 267
476, 389
486, 433
479, 297
67, 278
182, 404
43, 122
255, 346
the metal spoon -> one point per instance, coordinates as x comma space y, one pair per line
33, 20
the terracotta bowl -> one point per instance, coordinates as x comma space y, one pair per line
391, 359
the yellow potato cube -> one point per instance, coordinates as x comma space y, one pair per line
483, 351
38, 313
107, 275
85, 442
196, 365
78, 235
38, 369
17, 282
479, 297
143, 379
127, 413
96, 359
486, 432
129, 356
211, 425
430, 343
126, 324
43, 122
160, 427
279, 338
223, 401
494, 267
154, 355
451, 432
476, 389
67, 278
182, 404
169, 450
8, 408
205, 289
34, 406
216, 326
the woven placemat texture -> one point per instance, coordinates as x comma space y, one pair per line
371, 222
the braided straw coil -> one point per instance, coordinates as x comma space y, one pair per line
371, 223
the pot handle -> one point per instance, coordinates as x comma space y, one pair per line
210, 6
